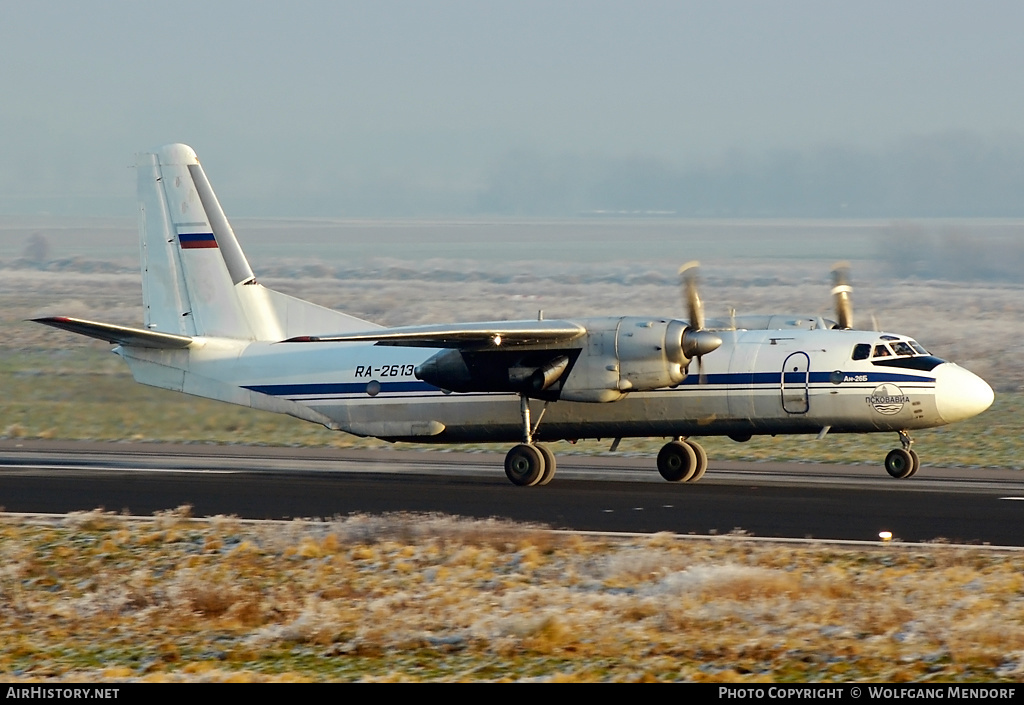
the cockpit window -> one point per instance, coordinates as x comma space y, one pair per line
861, 351
908, 355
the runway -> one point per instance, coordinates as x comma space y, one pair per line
783, 500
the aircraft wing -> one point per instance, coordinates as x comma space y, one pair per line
121, 335
461, 335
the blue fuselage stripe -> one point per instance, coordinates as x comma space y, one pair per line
739, 379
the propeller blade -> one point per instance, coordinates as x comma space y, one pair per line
691, 297
696, 341
841, 290
702, 376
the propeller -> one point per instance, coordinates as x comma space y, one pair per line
841, 290
688, 274
697, 342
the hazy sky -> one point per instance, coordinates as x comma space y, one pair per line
294, 105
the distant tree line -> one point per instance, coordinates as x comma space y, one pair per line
951, 175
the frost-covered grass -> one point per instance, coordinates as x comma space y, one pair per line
399, 597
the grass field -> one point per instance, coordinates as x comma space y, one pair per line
96, 597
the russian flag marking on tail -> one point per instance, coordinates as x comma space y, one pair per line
193, 241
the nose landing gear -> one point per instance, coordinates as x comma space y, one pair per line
904, 462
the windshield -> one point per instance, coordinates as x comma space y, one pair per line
900, 348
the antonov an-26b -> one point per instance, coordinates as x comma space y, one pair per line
212, 331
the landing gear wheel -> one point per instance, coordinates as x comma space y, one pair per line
524, 465
677, 461
917, 463
549, 464
900, 463
702, 461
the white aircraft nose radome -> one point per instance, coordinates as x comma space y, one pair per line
960, 394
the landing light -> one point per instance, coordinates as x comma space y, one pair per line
885, 535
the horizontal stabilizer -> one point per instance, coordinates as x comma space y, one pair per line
120, 335
460, 335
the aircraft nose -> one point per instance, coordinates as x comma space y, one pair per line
960, 394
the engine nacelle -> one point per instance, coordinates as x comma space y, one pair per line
447, 370
635, 354
616, 356
650, 354
531, 372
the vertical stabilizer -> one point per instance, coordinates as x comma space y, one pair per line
196, 280
188, 286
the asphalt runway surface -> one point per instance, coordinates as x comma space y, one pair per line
780, 500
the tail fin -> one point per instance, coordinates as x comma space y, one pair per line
195, 277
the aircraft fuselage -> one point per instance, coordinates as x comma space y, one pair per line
757, 382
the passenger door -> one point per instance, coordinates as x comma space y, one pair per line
796, 378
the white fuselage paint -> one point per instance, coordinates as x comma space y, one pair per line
371, 390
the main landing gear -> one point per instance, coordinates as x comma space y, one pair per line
529, 463
903, 462
682, 461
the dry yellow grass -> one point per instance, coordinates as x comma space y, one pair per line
98, 597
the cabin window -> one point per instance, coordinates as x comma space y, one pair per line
861, 351
882, 351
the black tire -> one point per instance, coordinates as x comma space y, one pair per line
677, 461
549, 464
702, 461
917, 463
899, 463
524, 465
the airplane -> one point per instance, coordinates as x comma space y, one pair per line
211, 330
